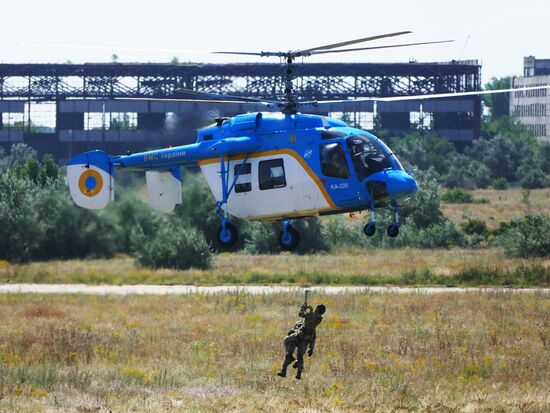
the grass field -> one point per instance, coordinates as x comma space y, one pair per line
458, 352
503, 206
361, 267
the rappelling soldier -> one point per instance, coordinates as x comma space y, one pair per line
301, 337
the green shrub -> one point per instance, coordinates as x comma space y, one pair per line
38, 220
174, 246
424, 208
466, 173
457, 196
481, 175
532, 176
19, 229
500, 184
264, 237
67, 231
443, 235
19, 153
475, 227
133, 215
532, 274
527, 237
339, 235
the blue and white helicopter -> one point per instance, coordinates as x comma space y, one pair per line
269, 166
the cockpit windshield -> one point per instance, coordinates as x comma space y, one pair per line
366, 156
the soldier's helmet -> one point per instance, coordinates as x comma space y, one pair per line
320, 309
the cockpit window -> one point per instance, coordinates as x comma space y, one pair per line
366, 156
333, 160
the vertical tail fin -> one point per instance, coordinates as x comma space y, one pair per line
91, 179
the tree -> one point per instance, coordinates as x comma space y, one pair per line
174, 246
505, 146
526, 237
424, 208
425, 151
498, 103
19, 153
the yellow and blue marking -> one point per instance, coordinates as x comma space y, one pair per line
90, 182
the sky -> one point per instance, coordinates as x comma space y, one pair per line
497, 33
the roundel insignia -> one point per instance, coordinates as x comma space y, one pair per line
90, 182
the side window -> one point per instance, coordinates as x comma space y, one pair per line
244, 181
272, 174
333, 160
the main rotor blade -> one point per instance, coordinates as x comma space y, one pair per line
458, 94
206, 101
215, 96
347, 43
326, 47
380, 47
241, 53
115, 48
350, 105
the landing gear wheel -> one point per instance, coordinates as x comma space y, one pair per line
290, 240
369, 229
393, 230
228, 237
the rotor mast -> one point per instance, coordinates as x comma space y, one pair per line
290, 104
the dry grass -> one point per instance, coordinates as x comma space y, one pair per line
503, 206
461, 352
374, 267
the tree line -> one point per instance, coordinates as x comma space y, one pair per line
39, 221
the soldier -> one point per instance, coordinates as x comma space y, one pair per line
302, 336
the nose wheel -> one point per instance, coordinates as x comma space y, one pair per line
393, 229
370, 228
289, 238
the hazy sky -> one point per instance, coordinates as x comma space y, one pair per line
498, 33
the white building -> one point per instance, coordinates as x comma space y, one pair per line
532, 107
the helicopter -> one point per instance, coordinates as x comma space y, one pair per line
275, 163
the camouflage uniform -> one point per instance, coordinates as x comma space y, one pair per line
299, 338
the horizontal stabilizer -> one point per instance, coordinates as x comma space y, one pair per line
91, 180
164, 189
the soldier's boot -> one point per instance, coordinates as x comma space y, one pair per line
295, 365
299, 374
289, 358
282, 372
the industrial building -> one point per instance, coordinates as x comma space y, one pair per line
532, 107
66, 109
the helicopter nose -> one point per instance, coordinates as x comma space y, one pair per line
401, 184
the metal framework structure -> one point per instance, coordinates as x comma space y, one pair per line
314, 81
265, 80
